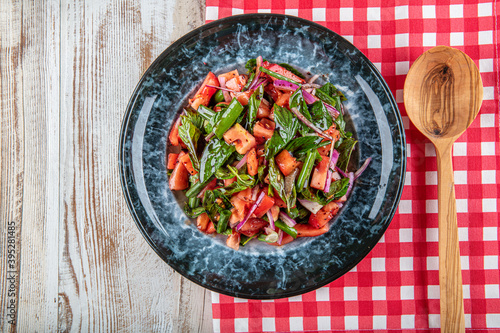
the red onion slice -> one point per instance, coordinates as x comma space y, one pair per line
339, 170
285, 85
222, 82
242, 161
311, 206
331, 110
308, 97
280, 236
363, 168
313, 78
224, 89
257, 74
271, 220
250, 212
287, 219
350, 175
333, 160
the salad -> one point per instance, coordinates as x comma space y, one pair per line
263, 155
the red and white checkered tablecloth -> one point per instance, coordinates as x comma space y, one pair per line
396, 286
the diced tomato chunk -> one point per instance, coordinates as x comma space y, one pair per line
252, 163
202, 222
278, 201
233, 240
204, 94
306, 230
172, 160
238, 211
285, 72
335, 134
264, 206
174, 137
184, 159
264, 109
272, 91
229, 181
324, 215
235, 84
242, 140
179, 179
229, 75
275, 211
252, 226
210, 228
245, 195
283, 99
244, 97
286, 162
318, 179
263, 130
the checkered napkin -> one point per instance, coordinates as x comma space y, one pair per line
396, 286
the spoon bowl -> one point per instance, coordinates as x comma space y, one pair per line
442, 94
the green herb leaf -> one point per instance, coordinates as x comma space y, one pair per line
338, 188
214, 203
190, 134
297, 101
242, 179
320, 116
286, 128
345, 150
331, 95
277, 181
214, 155
253, 107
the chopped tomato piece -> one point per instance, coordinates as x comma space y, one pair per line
306, 230
335, 134
202, 222
275, 211
174, 137
229, 75
246, 194
210, 228
179, 180
285, 72
252, 226
342, 199
278, 201
235, 84
205, 93
264, 110
233, 240
286, 239
263, 130
283, 99
242, 140
324, 215
286, 162
184, 159
244, 97
264, 206
172, 160
252, 163
238, 211
229, 181
272, 91
318, 179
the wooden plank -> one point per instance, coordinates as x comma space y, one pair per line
109, 278
11, 161
38, 289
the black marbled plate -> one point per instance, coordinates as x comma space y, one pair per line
259, 270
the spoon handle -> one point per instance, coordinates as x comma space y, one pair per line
450, 274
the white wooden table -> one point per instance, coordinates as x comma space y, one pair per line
72, 258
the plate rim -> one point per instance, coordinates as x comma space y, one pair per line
123, 166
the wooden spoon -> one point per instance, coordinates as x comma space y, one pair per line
443, 93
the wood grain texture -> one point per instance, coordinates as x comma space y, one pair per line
67, 71
443, 93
